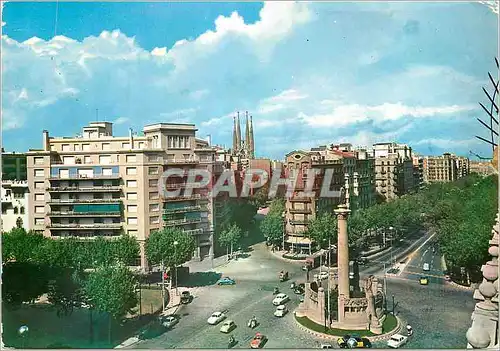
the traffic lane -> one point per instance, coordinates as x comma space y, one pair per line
440, 317
426, 254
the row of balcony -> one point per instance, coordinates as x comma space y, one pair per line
299, 210
85, 226
174, 222
185, 209
85, 176
82, 201
298, 221
97, 188
83, 214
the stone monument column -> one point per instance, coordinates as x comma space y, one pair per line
342, 213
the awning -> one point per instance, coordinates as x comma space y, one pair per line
298, 240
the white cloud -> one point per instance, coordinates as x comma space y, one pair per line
121, 120
2, 4
281, 101
179, 113
343, 115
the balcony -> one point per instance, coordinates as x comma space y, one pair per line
6, 199
298, 222
83, 214
85, 177
62, 189
85, 226
299, 199
186, 197
179, 161
195, 231
185, 209
299, 210
83, 201
175, 222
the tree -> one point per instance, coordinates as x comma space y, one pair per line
322, 228
65, 290
260, 197
277, 207
230, 236
111, 289
160, 247
23, 282
21, 246
126, 250
272, 227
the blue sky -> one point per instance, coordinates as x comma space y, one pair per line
309, 73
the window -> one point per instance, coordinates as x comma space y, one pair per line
141, 144
131, 196
107, 171
132, 232
106, 146
154, 158
153, 170
125, 145
39, 173
38, 160
105, 159
153, 195
66, 147
39, 185
39, 197
87, 160
132, 183
86, 173
21, 210
86, 147
154, 220
78, 147
131, 171
69, 160
132, 220
154, 207
39, 221
131, 158
16, 211
153, 183
132, 208
39, 209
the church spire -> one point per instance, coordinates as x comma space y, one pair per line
250, 134
248, 144
238, 132
235, 138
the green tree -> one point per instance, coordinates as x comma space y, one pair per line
23, 282
322, 228
111, 289
277, 207
230, 237
21, 246
126, 250
272, 227
65, 290
160, 247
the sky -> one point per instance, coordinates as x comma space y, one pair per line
309, 73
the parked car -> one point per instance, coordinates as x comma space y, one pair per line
216, 318
227, 326
424, 281
226, 281
168, 321
258, 341
186, 297
396, 341
280, 299
281, 310
353, 341
321, 275
299, 290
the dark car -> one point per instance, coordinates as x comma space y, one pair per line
353, 341
299, 290
186, 297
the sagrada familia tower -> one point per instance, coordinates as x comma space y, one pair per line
243, 149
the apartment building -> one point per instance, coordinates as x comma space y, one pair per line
97, 184
418, 171
15, 205
445, 168
483, 168
394, 173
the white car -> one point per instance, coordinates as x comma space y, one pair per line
396, 341
321, 276
280, 299
326, 346
168, 321
216, 318
281, 310
426, 267
227, 326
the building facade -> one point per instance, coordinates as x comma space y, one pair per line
15, 205
445, 168
483, 168
98, 184
243, 149
13, 166
418, 171
394, 172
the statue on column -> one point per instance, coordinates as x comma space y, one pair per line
343, 199
371, 291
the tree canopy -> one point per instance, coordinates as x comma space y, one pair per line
160, 247
322, 228
230, 236
272, 227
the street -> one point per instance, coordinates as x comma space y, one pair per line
439, 314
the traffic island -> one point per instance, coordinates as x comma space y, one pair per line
390, 326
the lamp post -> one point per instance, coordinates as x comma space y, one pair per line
23, 332
392, 304
175, 255
391, 229
284, 229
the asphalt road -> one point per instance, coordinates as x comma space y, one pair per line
439, 313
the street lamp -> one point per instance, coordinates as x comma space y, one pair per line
23, 332
175, 255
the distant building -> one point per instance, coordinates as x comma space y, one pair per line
15, 205
418, 171
13, 166
481, 167
445, 168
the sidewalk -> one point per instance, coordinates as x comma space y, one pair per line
206, 264
279, 254
174, 302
